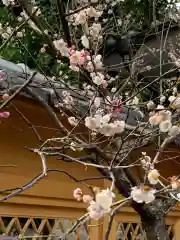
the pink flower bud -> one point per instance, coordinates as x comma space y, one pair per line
6, 114
96, 190
5, 97
1, 115
104, 84
71, 51
2, 74
78, 194
87, 198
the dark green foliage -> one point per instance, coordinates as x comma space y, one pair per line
27, 49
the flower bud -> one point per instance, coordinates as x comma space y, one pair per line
5, 96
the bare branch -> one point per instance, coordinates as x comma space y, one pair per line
17, 91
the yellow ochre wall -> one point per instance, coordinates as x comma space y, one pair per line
56, 189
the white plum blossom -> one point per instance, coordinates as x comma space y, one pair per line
103, 125
151, 105
95, 211
160, 107
95, 29
119, 126
91, 12
75, 57
85, 41
178, 196
93, 122
68, 100
107, 129
175, 182
9, 30
97, 78
65, 93
176, 103
5, 35
172, 99
89, 66
105, 199
74, 68
165, 126
153, 176
174, 185
97, 102
119, 21
87, 198
155, 119
102, 205
134, 101
105, 119
6, 2
61, 46
141, 195
80, 18
113, 90
160, 116
175, 130
146, 161
38, 11
98, 61
162, 99
20, 34
110, 129
167, 115
174, 90
73, 121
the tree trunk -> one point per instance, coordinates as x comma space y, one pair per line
155, 228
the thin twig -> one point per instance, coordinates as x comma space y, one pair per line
18, 91
28, 122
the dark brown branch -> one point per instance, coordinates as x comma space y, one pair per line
64, 22
37, 178
77, 10
109, 226
113, 213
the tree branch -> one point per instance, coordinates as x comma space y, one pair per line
17, 91
64, 22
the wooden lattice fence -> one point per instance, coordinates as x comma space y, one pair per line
134, 231
54, 228
39, 228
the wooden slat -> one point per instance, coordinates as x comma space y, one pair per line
26, 226
10, 226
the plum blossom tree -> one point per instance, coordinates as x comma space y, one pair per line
111, 110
